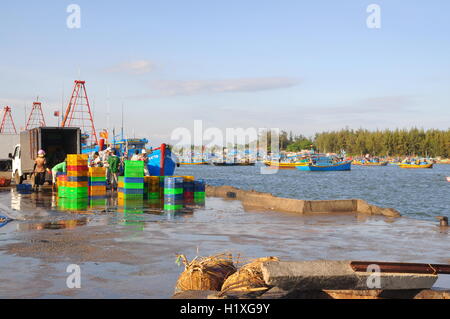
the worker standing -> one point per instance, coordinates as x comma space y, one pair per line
113, 168
40, 167
105, 156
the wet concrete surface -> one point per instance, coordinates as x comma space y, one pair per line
129, 252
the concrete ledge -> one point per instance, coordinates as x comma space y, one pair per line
252, 200
336, 275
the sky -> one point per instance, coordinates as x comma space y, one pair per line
301, 66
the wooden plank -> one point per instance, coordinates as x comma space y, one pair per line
394, 267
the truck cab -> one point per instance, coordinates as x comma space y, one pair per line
17, 174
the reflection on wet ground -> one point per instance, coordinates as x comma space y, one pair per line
60, 213
128, 249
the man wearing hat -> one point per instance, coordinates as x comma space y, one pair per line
40, 167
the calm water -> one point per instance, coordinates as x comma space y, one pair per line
422, 193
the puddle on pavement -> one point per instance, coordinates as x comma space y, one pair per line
65, 213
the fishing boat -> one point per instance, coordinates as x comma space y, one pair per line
233, 163
283, 165
127, 147
325, 164
369, 163
412, 165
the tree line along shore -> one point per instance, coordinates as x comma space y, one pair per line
400, 142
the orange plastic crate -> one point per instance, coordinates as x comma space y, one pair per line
77, 184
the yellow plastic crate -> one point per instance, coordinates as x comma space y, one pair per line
97, 171
77, 157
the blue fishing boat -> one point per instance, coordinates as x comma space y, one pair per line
154, 163
325, 164
127, 147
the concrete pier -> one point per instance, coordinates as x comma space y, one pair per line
337, 275
252, 200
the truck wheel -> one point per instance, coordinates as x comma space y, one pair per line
18, 179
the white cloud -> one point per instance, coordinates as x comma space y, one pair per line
193, 87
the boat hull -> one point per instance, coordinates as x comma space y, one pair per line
154, 163
344, 166
415, 166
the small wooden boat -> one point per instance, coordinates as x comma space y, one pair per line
194, 163
281, 165
234, 164
325, 164
405, 165
368, 163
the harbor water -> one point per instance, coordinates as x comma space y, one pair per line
416, 193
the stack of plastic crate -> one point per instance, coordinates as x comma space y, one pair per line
97, 181
199, 192
61, 183
188, 187
131, 186
77, 176
173, 194
152, 188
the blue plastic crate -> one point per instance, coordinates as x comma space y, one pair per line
199, 185
133, 180
97, 183
24, 187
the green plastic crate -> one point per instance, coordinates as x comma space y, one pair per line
73, 203
134, 164
133, 185
173, 191
173, 207
199, 195
77, 192
134, 174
